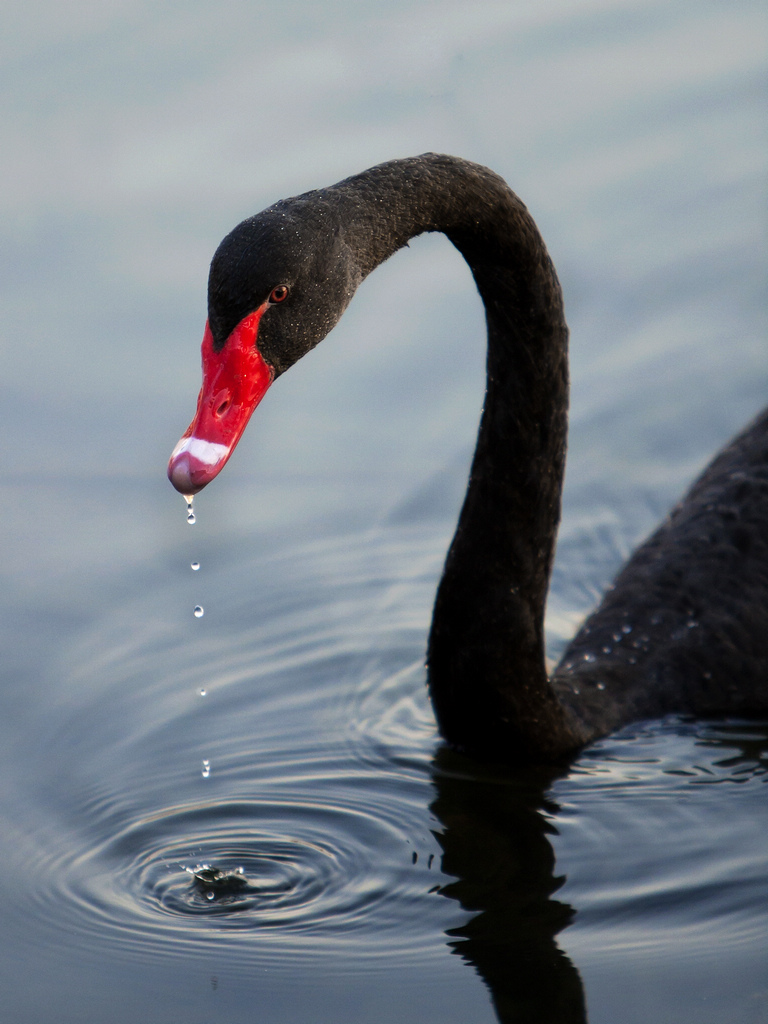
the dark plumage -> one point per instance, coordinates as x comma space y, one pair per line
684, 628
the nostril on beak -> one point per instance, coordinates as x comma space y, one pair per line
222, 408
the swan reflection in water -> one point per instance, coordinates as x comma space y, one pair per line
497, 831
495, 841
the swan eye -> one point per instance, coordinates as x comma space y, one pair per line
279, 294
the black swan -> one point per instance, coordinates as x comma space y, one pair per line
683, 628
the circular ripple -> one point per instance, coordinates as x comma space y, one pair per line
302, 866
270, 879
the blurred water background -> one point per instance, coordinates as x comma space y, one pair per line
387, 879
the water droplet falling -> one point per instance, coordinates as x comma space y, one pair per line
203, 691
195, 566
190, 511
199, 611
206, 770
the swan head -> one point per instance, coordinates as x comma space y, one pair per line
278, 284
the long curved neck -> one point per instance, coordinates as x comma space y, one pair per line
487, 673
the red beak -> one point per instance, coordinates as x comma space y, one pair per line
234, 382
